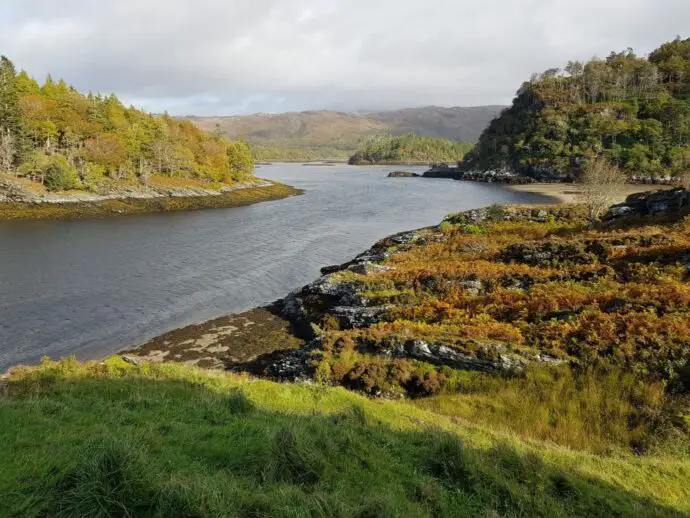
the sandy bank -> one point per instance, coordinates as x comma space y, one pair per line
569, 192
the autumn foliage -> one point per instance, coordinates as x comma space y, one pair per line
55, 135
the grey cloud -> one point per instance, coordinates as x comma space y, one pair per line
239, 56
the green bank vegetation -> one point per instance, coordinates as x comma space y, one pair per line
52, 135
633, 110
408, 149
113, 439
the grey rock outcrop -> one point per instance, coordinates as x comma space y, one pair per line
352, 317
651, 203
492, 357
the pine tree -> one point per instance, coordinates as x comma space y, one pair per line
11, 118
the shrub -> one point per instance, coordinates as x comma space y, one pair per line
474, 230
446, 227
60, 175
92, 176
495, 212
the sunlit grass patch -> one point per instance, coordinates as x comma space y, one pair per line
126, 440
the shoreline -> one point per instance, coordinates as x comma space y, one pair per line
262, 337
250, 340
123, 206
569, 192
245, 340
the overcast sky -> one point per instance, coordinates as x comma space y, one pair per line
224, 57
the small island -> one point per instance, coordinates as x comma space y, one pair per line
408, 150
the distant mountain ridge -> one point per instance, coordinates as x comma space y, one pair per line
341, 132
455, 123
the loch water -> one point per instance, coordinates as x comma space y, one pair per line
88, 288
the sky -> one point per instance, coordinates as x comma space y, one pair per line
229, 57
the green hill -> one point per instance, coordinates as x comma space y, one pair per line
633, 110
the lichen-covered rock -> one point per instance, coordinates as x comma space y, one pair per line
548, 254
291, 365
473, 287
368, 259
369, 268
491, 357
404, 238
353, 317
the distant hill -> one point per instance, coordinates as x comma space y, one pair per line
331, 133
457, 123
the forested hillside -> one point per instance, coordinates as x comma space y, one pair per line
58, 137
389, 149
329, 134
633, 110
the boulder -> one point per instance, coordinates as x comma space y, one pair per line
472, 287
651, 203
368, 268
404, 238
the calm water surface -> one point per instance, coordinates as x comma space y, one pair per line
89, 288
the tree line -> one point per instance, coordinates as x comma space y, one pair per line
55, 135
632, 110
410, 148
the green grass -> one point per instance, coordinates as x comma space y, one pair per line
112, 439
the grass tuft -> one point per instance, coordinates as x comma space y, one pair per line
109, 480
293, 459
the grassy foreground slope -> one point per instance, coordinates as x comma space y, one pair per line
113, 439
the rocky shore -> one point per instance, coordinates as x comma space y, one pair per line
285, 340
278, 341
19, 202
458, 173
572, 192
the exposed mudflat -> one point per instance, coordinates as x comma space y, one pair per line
223, 343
